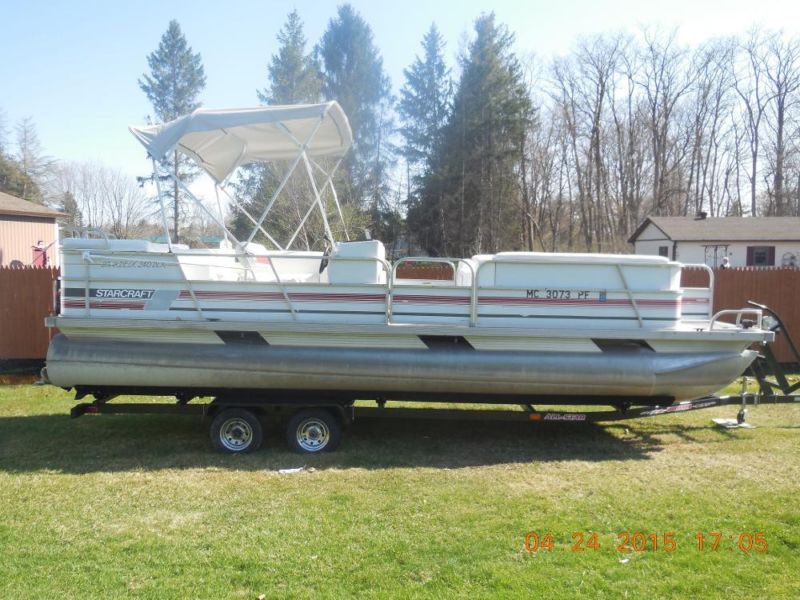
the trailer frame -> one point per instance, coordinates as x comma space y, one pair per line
350, 412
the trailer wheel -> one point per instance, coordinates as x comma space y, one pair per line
314, 430
236, 431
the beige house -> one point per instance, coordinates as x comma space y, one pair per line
28, 232
745, 241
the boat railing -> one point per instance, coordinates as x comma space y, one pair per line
246, 262
152, 258
694, 294
738, 313
623, 289
88, 257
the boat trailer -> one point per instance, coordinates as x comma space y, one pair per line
315, 423
103, 406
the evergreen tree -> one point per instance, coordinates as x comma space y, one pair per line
424, 108
353, 75
475, 178
15, 182
69, 205
294, 78
425, 99
173, 87
293, 75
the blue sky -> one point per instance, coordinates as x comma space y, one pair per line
73, 66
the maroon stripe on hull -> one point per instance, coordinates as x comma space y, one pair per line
423, 299
297, 296
105, 305
575, 302
420, 299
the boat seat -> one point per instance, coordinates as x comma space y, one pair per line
296, 266
369, 270
464, 274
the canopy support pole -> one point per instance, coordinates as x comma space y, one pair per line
219, 208
161, 203
318, 199
252, 219
311, 207
329, 181
302, 223
286, 177
204, 208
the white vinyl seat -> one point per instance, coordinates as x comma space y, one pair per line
366, 271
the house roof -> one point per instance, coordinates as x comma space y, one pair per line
11, 205
724, 229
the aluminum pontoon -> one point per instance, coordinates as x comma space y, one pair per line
300, 326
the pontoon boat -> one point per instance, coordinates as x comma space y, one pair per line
138, 317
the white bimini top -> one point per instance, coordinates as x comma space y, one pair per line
220, 141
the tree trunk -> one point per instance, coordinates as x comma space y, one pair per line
777, 185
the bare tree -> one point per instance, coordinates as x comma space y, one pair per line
781, 68
665, 79
597, 60
106, 198
628, 152
3, 132
583, 85
32, 161
748, 74
709, 109
627, 126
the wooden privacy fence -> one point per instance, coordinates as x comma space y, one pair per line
424, 270
26, 298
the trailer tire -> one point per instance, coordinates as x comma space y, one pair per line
236, 431
314, 430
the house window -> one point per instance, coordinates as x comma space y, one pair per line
663, 251
760, 256
715, 255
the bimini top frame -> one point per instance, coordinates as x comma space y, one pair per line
221, 141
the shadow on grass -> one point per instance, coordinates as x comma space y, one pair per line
655, 433
132, 442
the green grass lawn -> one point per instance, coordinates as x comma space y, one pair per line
140, 506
